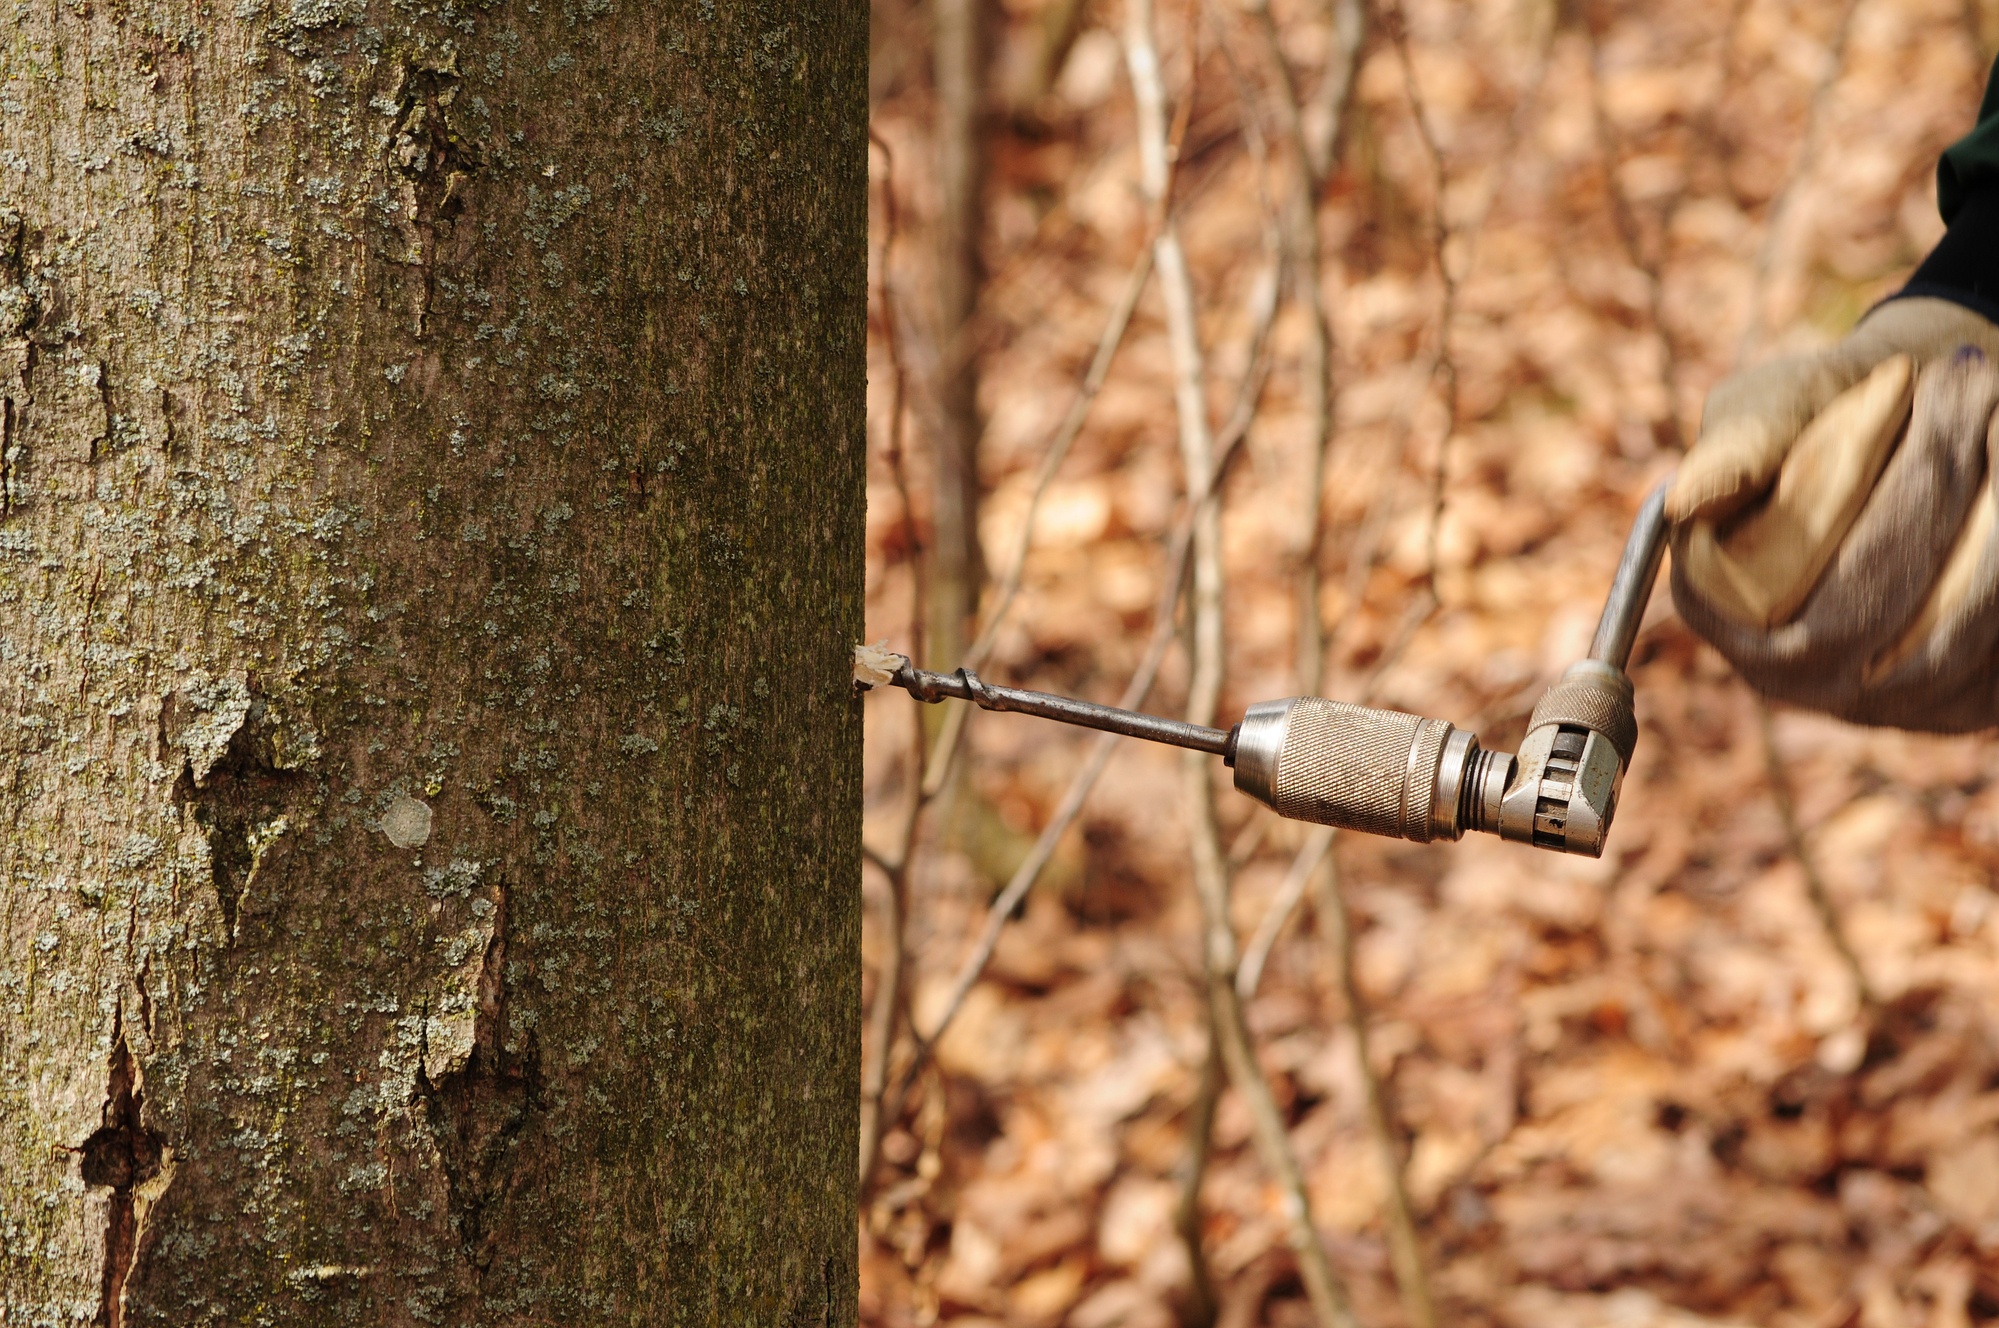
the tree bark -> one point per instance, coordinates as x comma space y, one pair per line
430, 555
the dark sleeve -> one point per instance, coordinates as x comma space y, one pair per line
1964, 267
1971, 163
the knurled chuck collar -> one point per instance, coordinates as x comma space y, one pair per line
1592, 695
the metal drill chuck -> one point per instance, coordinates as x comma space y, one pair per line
1572, 763
1389, 773
1378, 771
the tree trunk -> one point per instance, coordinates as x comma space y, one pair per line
430, 554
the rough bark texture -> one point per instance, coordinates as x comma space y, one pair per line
430, 533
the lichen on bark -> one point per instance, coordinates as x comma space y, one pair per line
431, 480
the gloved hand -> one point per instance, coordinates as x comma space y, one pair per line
1752, 419
1865, 583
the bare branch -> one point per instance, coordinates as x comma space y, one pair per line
1406, 1255
960, 60
886, 1016
875, 859
1780, 786
1312, 162
1135, 692
1211, 871
898, 393
1624, 216
1446, 365
1201, 1307
1815, 886
884, 1020
1778, 216
1058, 451
1405, 1251
1404, 1245
1257, 953
1249, 391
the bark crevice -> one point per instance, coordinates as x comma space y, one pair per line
476, 1111
244, 804
6, 457
122, 1154
437, 159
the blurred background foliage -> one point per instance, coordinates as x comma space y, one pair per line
1461, 275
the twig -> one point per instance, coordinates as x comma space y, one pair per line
1322, 121
1624, 218
1815, 885
951, 732
890, 997
1058, 451
1412, 622
1405, 1252
931, 770
1779, 213
1365, 547
1292, 892
1471, 229
1029, 871
1257, 953
884, 1019
1085, 779
1134, 696
1228, 446
898, 391
1624, 212
1315, 359
959, 52
1405, 1247
1204, 687
1200, 1308
1412, 1277
1269, 285
875, 859
1447, 304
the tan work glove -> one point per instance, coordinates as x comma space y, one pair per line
1851, 565
1752, 419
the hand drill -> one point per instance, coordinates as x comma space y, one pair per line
1389, 773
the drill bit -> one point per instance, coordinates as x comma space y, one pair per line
965, 685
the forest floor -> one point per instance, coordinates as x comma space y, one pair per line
1642, 1091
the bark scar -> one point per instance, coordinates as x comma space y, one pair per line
83, 644
436, 159
476, 1111
123, 1154
244, 801
6, 457
17, 362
